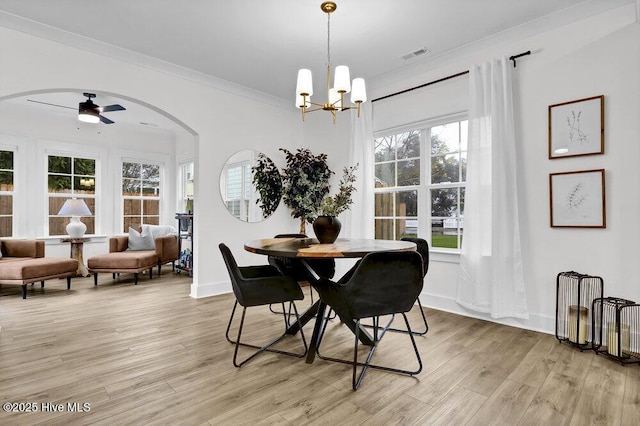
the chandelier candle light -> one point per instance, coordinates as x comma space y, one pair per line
75, 208
341, 83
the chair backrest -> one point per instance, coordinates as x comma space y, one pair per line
383, 283
423, 249
234, 272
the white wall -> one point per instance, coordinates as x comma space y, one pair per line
36, 135
596, 56
222, 123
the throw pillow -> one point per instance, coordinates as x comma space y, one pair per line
141, 240
160, 230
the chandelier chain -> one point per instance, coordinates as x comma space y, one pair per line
328, 39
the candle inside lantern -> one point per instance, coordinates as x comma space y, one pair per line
613, 332
578, 324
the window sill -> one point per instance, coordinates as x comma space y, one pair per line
444, 256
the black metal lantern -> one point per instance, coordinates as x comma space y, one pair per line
575, 294
616, 324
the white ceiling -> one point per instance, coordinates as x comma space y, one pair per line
260, 45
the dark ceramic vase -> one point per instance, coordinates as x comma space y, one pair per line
326, 229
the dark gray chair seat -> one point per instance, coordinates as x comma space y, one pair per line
259, 286
383, 283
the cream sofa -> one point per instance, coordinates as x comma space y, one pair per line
23, 263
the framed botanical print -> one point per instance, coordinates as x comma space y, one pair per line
577, 199
576, 128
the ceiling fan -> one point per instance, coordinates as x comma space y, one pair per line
88, 111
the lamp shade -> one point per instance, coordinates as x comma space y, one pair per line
300, 102
341, 81
359, 91
305, 84
334, 98
74, 207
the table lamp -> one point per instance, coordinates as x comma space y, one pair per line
75, 208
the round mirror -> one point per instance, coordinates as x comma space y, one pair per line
250, 186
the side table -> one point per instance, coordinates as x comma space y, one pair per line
76, 253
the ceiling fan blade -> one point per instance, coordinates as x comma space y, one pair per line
110, 108
105, 120
47, 103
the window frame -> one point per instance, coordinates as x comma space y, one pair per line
246, 189
187, 185
12, 192
424, 188
159, 198
95, 196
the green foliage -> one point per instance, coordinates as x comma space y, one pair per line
268, 183
305, 182
61, 168
333, 206
444, 241
445, 168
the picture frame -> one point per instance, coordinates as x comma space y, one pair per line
576, 128
577, 199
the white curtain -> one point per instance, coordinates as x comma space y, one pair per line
491, 278
357, 222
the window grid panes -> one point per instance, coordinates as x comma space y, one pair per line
6, 193
141, 194
238, 189
421, 191
70, 177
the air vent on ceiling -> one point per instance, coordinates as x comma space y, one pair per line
415, 53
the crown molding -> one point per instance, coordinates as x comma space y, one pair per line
37, 29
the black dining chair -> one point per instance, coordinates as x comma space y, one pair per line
422, 246
383, 283
259, 286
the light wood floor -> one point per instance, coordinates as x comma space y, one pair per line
150, 354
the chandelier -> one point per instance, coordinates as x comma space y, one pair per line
341, 83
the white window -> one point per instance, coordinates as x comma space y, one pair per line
70, 177
140, 194
186, 171
420, 178
6, 193
238, 189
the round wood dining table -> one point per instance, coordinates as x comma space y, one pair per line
310, 248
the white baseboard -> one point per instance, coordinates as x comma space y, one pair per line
209, 289
536, 322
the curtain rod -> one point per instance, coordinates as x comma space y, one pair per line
449, 77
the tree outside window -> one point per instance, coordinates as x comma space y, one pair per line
421, 190
6, 193
70, 177
140, 194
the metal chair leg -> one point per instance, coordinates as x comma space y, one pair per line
263, 348
415, 333
357, 382
378, 333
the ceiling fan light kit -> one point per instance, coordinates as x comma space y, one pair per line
341, 83
89, 112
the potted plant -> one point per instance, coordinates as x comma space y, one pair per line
305, 184
268, 183
326, 225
